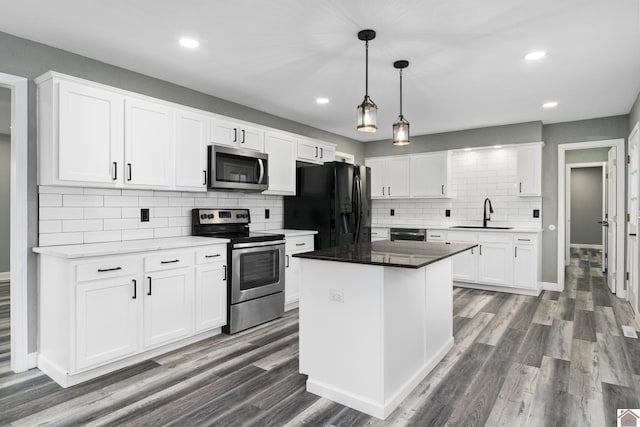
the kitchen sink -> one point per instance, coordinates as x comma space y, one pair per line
481, 227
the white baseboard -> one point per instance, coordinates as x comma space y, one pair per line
549, 286
585, 246
5, 277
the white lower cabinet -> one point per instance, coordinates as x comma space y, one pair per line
379, 233
293, 274
102, 313
107, 320
168, 306
505, 261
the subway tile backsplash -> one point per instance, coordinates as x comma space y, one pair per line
70, 215
475, 175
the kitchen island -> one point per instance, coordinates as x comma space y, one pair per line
375, 319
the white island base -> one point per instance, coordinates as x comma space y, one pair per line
369, 333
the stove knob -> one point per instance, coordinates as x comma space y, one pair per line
210, 216
203, 216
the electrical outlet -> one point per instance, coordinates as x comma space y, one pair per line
336, 296
447, 212
393, 212
266, 214
144, 215
536, 213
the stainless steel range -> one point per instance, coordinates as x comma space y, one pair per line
255, 292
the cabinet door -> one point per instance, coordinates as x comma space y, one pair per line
191, 150
223, 132
90, 135
495, 261
106, 323
211, 296
291, 280
399, 177
525, 267
282, 163
251, 138
378, 177
168, 305
429, 175
149, 144
529, 171
465, 265
327, 153
308, 151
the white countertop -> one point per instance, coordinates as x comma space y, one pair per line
449, 227
288, 232
128, 246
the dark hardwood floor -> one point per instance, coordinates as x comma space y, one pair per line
558, 360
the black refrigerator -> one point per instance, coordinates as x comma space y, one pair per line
333, 199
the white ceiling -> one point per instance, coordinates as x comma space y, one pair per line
466, 57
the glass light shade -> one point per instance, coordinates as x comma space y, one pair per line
367, 112
401, 132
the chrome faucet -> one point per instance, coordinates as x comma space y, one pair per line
487, 216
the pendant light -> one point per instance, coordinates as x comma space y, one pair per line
367, 110
401, 127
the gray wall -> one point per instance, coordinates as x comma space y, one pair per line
586, 206
28, 59
587, 155
5, 223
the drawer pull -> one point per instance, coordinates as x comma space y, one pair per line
212, 256
300, 244
524, 240
149, 277
103, 270
287, 258
435, 235
515, 252
135, 289
170, 262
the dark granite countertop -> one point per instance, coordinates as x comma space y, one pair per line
407, 254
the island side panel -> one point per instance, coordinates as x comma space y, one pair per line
439, 310
341, 330
405, 329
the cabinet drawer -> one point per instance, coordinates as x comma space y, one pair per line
495, 237
525, 239
168, 261
462, 237
436, 235
208, 255
379, 233
299, 244
106, 269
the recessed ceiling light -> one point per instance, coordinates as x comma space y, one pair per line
550, 104
532, 56
322, 100
190, 43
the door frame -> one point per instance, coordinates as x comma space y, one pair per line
21, 360
632, 264
619, 144
569, 168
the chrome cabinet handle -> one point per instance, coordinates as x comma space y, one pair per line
515, 252
316, 152
129, 167
480, 249
383, 191
212, 256
389, 188
114, 176
300, 244
321, 153
170, 262
243, 137
149, 278
442, 188
225, 272
287, 258
524, 240
235, 135
521, 187
204, 173
135, 289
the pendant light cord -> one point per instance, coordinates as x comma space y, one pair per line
366, 69
401, 93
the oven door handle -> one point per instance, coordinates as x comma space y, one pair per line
261, 171
257, 244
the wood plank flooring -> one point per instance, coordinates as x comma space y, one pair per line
559, 360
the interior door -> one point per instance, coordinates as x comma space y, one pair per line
609, 256
633, 205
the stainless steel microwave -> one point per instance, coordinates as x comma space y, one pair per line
237, 169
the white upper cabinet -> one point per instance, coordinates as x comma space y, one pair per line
530, 170
192, 135
149, 138
430, 175
281, 149
390, 176
88, 144
236, 134
312, 151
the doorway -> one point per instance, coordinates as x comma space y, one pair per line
21, 358
633, 207
5, 226
612, 228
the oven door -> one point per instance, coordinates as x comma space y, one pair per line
257, 269
237, 169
